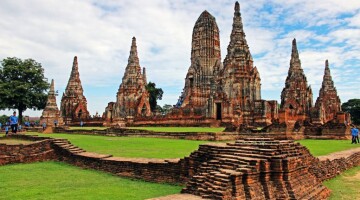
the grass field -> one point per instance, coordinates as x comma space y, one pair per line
346, 185
135, 147
54, 180
14, 141
181, 129
324, 147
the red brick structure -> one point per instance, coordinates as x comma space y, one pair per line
296, 97
246, 169
328, 104
51, 112
205, 60
132, 98
73, 102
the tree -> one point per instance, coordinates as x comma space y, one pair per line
353, 107
155, 94
22, 85
166, 109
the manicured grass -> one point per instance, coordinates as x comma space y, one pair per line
324, 147
14, 141
87, 128
135, 147
54, 180
181, 129
346, 185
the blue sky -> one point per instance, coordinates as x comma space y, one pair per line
99, 33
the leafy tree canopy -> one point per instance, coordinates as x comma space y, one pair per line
22, 85
155, 94
353, 107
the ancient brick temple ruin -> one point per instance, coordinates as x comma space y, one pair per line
236, 95
296, 97
328, 104
132, 98
205, 62
51, 112
73, 102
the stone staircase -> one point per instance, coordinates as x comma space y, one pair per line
67, 146
254, 168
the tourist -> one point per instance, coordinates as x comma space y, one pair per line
355, 135
55, 122
0, 125
81, 124
14, 122
6, 130
44, 126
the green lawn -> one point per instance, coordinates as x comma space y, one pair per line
54, 180
324, 147
346, 185
14, 141
181, 129
135, 147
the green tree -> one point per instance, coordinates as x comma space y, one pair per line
22, 85
155, 94
353, 107
166, 109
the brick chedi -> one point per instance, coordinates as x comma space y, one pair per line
238, 82
51, 113
328, 103
205, 57
73, 102
296, 97
257, 168
132, 98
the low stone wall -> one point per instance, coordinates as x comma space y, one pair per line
124, 132
327, 167
37, 151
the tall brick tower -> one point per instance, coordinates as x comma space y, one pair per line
73, 102
296, 97
132, 98
328, 103
205, 57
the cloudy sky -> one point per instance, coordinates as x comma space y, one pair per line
99, 32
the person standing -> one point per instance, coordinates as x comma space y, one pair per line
44, 126
6, 130
0, 125
355, 135
14, 122
81, 124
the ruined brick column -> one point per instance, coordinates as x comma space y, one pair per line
73, 102
205, 57
296, 97
132, 98
328, 103
51, 111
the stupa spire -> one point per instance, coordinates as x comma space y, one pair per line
294, 53
133, 57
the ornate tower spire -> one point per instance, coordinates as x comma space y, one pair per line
133, 57
51, 111
296, 95
73, 102
205, 56
328, 103
132, 98
144, 75
295, 63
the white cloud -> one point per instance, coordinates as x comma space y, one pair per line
99, 33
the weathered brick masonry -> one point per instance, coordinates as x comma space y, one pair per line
249, 169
